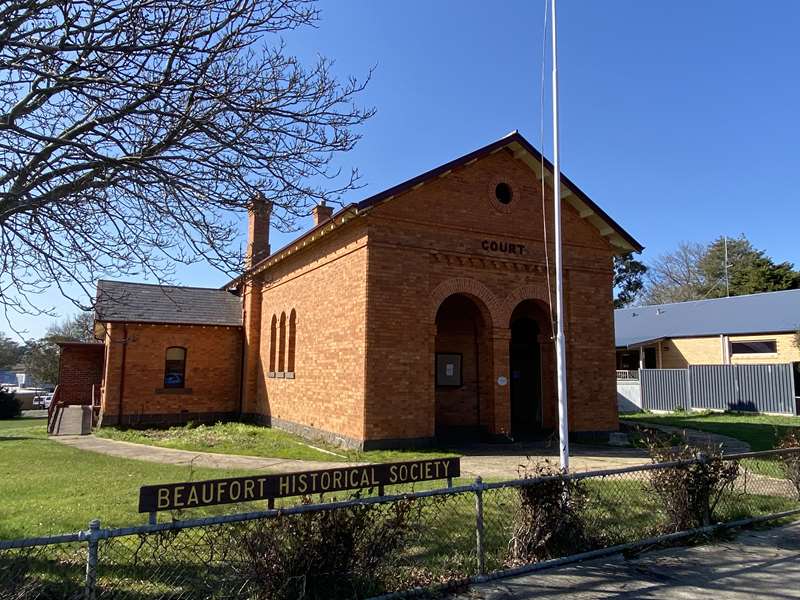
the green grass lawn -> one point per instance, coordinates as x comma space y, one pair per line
48, 488
254, 440
762, 432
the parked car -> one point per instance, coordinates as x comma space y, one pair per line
42, 401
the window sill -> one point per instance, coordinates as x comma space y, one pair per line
178, 391
281, 375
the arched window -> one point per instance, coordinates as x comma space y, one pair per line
175, 367
292, 335
273, 344
282, 345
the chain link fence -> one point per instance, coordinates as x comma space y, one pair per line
377, 546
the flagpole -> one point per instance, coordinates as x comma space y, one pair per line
561, 367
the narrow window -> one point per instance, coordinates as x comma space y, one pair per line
755, 347
273, 345
175, 368
282, 346
292, 335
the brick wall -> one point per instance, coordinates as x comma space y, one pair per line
428, 244
134, 373
679, 352
325, 285
80, 367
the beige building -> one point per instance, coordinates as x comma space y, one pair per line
753, 329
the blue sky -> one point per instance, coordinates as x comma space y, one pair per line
679, 118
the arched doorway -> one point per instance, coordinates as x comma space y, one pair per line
462, 366
527, 367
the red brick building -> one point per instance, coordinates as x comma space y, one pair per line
420, 312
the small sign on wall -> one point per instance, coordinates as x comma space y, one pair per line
448, 369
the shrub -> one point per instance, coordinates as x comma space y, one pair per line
549, 521
791, 461
10, 406
348, 552
690, 493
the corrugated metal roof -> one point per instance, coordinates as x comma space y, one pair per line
770, 312
146, 303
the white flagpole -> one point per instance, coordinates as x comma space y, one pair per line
561, 367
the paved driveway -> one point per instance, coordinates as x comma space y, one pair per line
756, 564
504, 460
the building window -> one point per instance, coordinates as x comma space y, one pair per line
292, 336
282, 345
755, 347
503, 193
175, 368
273, 345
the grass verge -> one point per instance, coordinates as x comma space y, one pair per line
762, 432
253, 440
47, 488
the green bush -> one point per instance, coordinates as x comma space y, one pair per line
347, 553
550, 520
10, 407
689, 493
792, 461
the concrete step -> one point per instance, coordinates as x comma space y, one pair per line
73, 420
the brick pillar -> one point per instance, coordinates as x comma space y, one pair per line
112, 373
258, 218
258, 248
501, 394
252, 344
321, 212
549, 391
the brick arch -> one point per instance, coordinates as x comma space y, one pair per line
468, 287
531, 291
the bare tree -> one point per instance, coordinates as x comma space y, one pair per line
677, 277
131, 130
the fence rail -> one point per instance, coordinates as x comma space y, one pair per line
412, 540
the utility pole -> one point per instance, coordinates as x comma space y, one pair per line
561, 366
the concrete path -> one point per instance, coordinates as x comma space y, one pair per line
730, 445
495, 461
488, 461
186, 457
756, 564
499, 461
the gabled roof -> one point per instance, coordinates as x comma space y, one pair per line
522, 150
119, 301
770, 312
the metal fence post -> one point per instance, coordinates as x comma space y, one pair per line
702, 458
479, 525
91, 561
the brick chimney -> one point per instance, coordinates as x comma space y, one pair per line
321, 212
258, 230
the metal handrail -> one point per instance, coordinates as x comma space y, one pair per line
53, 410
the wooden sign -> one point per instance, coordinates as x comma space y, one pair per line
191, 494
